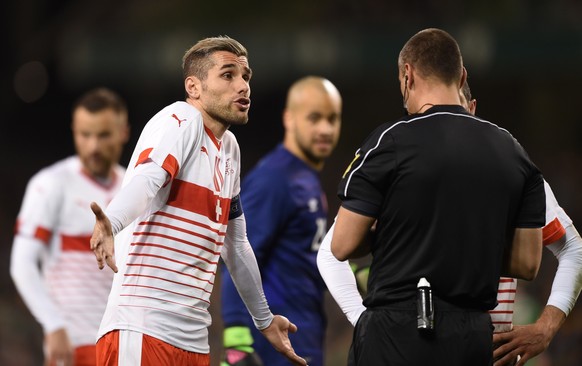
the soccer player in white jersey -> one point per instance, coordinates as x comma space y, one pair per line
67, 294
178, 213
562, 239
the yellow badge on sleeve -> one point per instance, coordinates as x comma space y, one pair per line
350, 166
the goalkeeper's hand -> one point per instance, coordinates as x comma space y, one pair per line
238, 348
361, 274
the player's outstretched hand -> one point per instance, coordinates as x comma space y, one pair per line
102, 239
278, 334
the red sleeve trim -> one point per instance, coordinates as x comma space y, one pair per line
143, 156
76, 243
553, 231
43, 234
171, 166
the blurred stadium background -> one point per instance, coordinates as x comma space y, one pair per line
524, 60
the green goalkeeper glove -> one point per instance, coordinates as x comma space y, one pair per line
238, 348
361, 274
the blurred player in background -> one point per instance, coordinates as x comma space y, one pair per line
52, 264
562, 239
287, 219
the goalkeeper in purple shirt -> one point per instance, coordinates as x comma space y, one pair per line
286, 213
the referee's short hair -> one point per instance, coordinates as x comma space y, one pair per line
434, 53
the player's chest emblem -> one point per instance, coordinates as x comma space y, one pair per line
312, 204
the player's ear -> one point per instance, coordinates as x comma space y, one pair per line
473, 106
287, 119
193, 87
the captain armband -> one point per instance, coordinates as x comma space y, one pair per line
236, 209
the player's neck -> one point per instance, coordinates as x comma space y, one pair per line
106, 180
300, 154
215, 127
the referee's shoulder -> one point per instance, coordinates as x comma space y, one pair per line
384, 127
492, 125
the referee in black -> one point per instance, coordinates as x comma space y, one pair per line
457, 201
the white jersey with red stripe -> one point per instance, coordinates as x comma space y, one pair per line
556, 221
167, 258
56, 212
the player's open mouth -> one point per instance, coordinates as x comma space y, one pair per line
243, 103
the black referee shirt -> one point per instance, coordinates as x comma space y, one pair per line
447, 189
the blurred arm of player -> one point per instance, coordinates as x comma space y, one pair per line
340, 280
25, 272
126, 206
240, 260
530, 340
27, 253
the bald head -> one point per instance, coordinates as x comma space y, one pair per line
312, 119
297, 90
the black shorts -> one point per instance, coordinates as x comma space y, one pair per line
388, 336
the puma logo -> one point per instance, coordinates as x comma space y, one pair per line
178, 119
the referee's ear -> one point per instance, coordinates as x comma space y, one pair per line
463, 78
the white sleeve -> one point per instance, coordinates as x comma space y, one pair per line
340, 280
25, 271
133, 199
568, 279
241, 262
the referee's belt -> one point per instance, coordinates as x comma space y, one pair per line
439, 306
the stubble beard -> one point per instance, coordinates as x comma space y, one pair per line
224, 114
309, 152
99, 167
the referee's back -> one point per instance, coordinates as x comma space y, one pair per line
453, 191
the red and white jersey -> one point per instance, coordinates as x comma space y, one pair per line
167, 258
556, 221
56, 211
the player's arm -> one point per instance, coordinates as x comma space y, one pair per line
350, 230
530, 340
340, 280
25, 272
237, 338
266, 204
39, 210
127, 205
240, 260
523, 257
